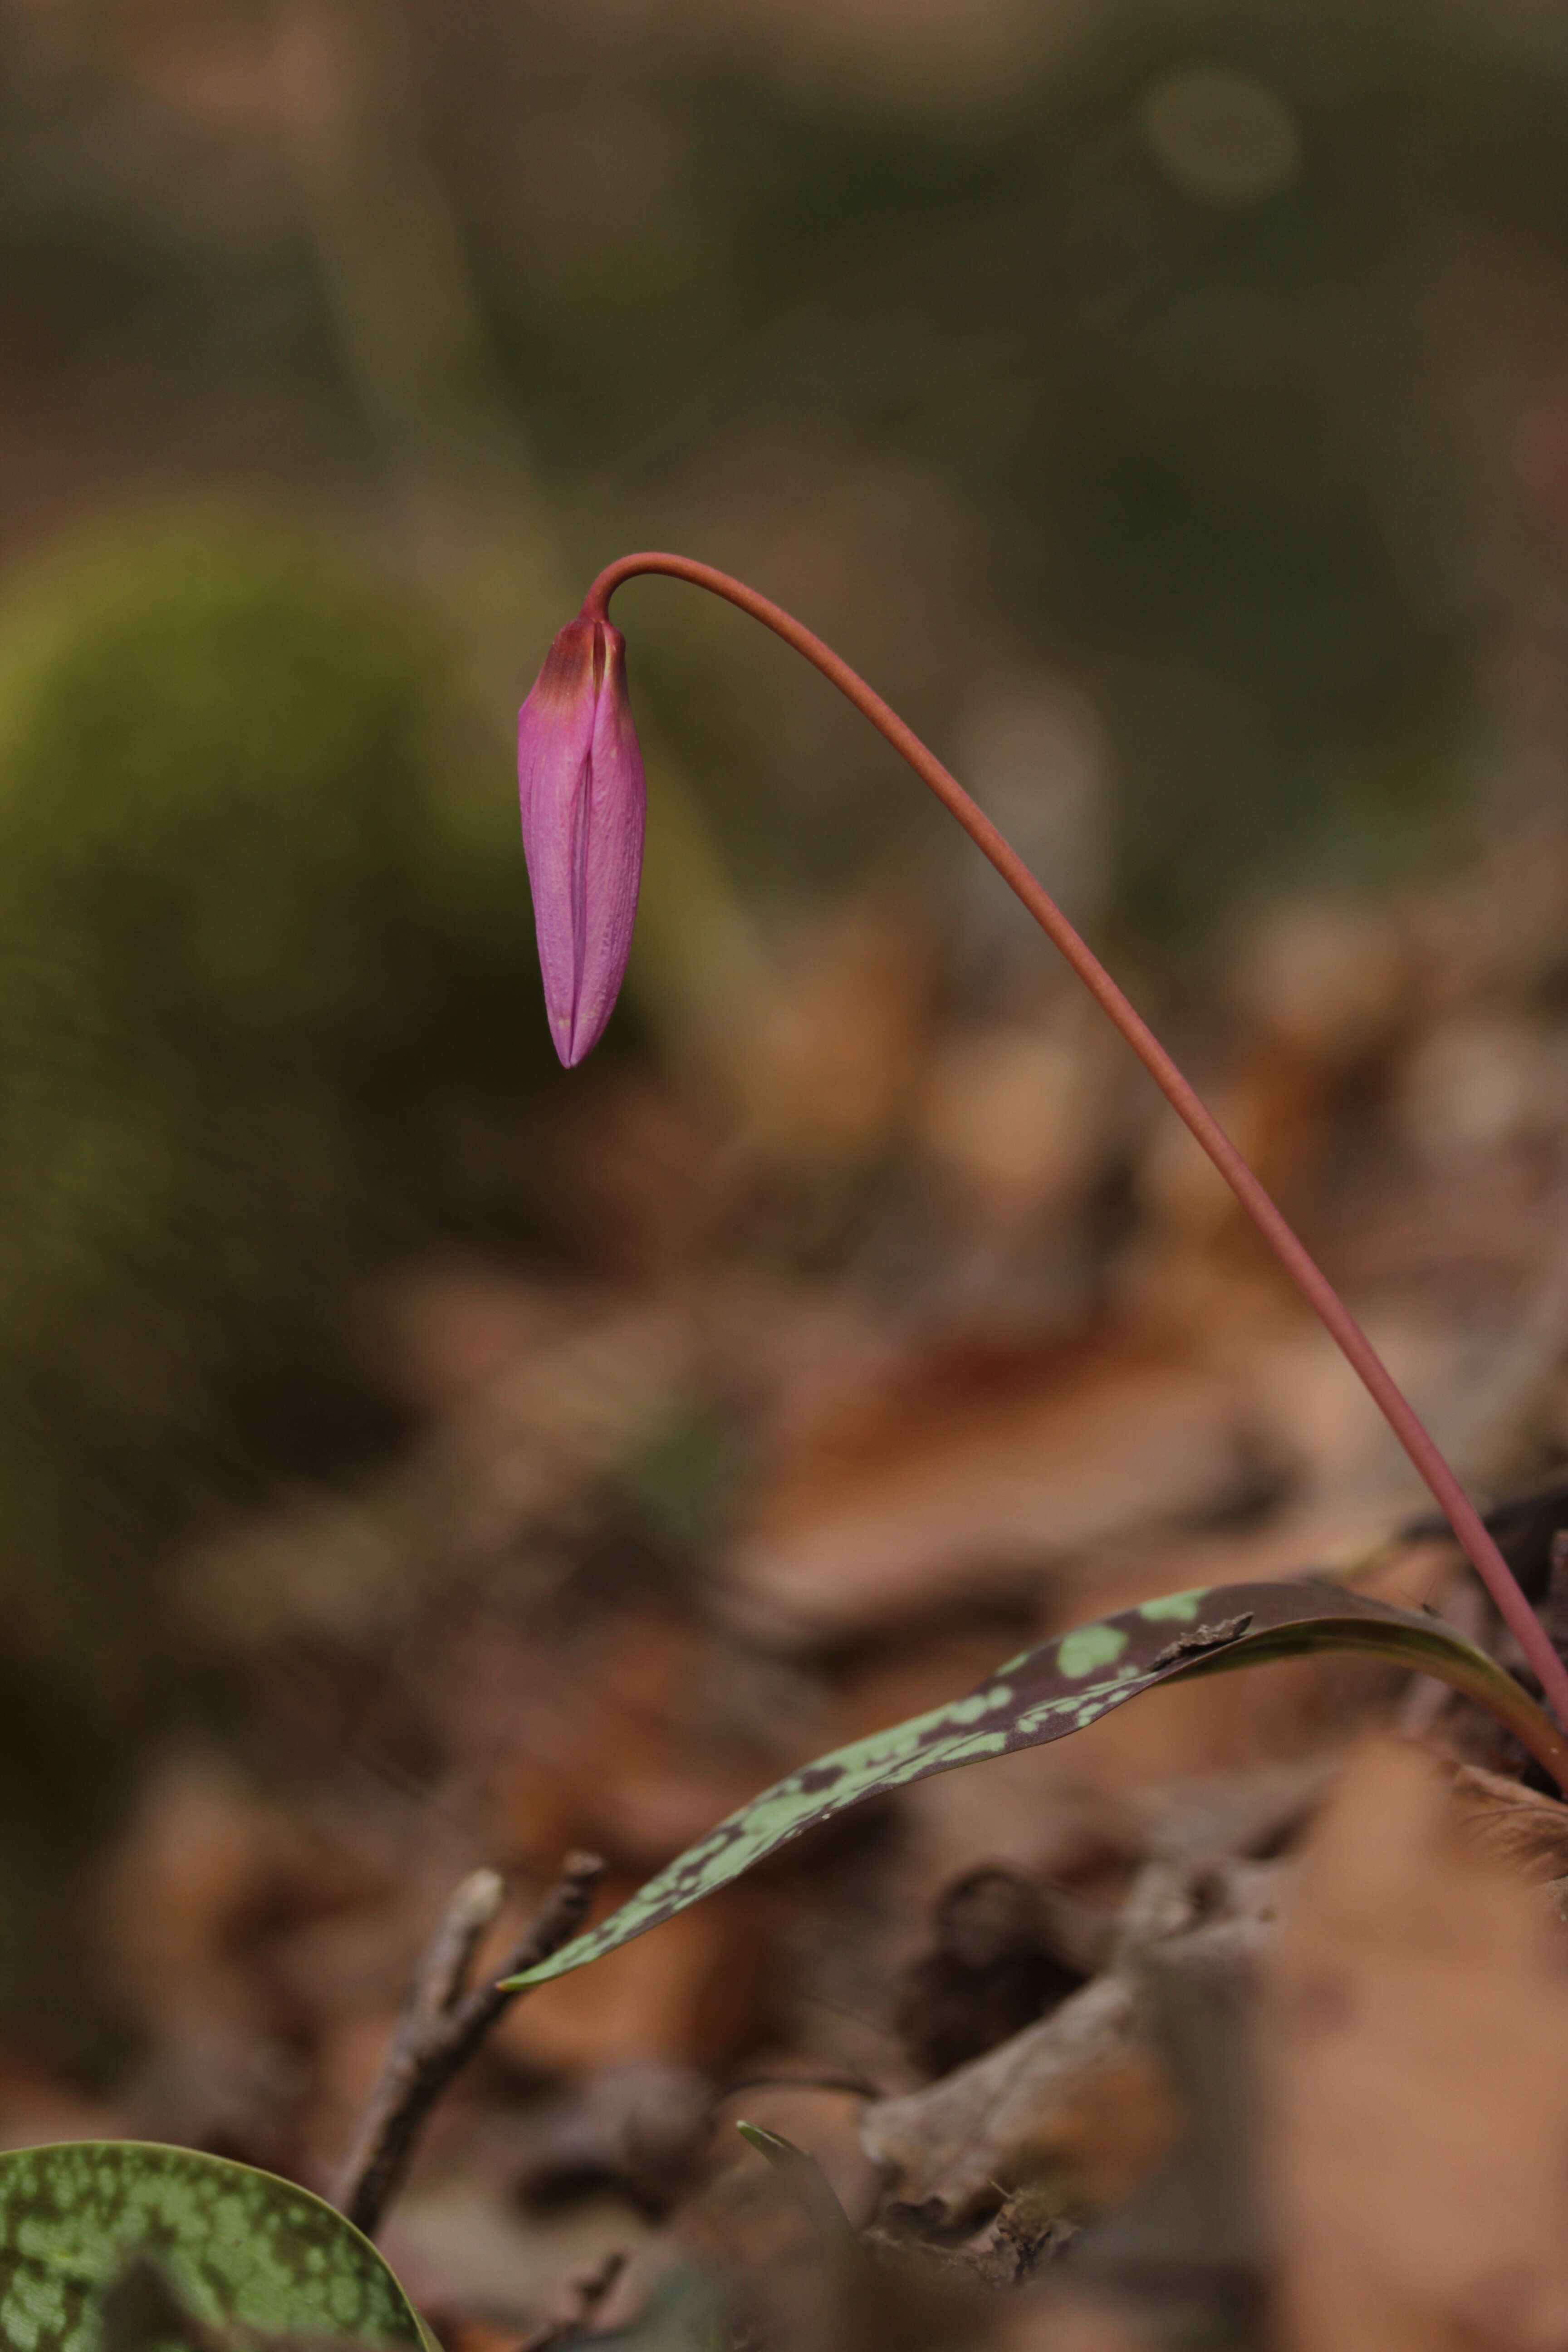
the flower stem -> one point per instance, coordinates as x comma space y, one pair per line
1469, 1530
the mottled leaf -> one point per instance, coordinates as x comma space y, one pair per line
141, 2313
248, 2257
1059, 1687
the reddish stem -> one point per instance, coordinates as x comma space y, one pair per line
1461, 1514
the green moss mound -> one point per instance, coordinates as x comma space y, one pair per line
248, 951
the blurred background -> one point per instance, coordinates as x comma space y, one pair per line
410, 1456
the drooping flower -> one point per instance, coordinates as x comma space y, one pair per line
580, 782
583, 803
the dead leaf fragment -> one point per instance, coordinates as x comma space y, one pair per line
996, 2121
1056, 2323
1203, 1639
1517, 1825
1415, 2043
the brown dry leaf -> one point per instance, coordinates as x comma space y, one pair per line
1056, 2323
1416, 2047
1522, 1828
1329, 978
1071, 2101
1017, 1117
706, 1988
970, 1471
832, 1051
204, 1870
1518, 1825
632, 1176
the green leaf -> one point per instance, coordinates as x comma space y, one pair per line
1061, 1686
239, 2249
810, 2187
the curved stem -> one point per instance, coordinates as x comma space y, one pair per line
1469, 1530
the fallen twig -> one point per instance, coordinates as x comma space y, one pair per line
588, 2294
444, 2025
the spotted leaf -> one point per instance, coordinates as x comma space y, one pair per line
250, 2259
1061, 1686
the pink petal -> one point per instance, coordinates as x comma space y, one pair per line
612, 851
582, 796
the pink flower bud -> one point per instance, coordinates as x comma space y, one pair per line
580, 780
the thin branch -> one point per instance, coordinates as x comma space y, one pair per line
587, 2294
444, 2024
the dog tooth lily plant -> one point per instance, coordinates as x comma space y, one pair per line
580, 775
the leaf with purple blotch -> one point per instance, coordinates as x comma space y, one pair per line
1059, 1687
